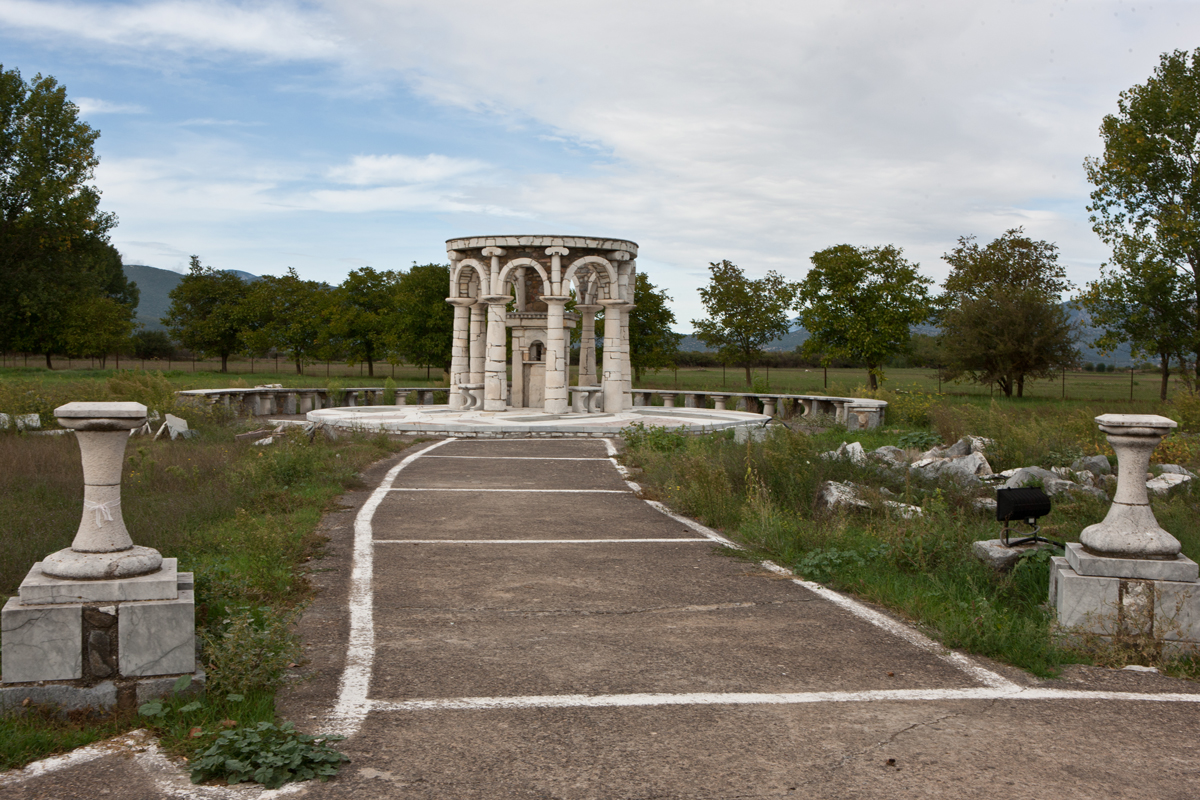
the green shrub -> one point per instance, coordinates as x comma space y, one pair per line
268, 754
251, 650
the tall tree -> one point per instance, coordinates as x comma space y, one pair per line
285, 314
743, 314
1002, 320
423, 328
206, 312
1143, 299
1148, 180
652, 343
861, 302
50, 219
361, 313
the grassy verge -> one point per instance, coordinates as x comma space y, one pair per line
763, 495
242, 518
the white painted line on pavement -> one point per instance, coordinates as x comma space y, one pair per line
352, 703
526, 458
534, 541
905, 632
770, 698
518, 491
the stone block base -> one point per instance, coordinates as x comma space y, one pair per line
1115, 606
101, 696
95, 642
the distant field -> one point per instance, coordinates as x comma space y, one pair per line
205, 374
1079, 385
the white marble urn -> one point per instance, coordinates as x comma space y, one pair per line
102, 548
1130, 529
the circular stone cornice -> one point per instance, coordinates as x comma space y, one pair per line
570, 242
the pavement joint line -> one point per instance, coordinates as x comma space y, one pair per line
536, 541
352, 704
909, 634
770, 698
520, 491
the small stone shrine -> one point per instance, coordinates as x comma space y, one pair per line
105, 617
1127, 576
535, 274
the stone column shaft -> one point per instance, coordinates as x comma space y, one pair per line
613, 382
478, 341
587, 345
495, 383
556, 361
460, 349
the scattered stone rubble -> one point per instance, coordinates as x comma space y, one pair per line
965, 462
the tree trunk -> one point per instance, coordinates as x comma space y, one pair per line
1165, 360
224, 362
749, 382
872, 378
1021, 385
49, 365
1006, 385
370, 367
299, 367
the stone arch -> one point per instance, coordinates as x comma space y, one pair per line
609, 273
507, 269
460, 276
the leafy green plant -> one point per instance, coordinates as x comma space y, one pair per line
251, 650
269, 754
389, 392
919, 440
654, 437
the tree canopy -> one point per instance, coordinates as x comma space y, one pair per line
55, 259
1002, 320
1141, 298
423, 328
861, 302
361, 314
743, 314
206, 314
652, 343
1147, 183
285, 314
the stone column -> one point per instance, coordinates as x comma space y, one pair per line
556, 356
102, 548
626, 366
613, 381
460, 348
1130, 529
495, 382
478, 340
587, 344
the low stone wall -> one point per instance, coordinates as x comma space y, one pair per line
855, 413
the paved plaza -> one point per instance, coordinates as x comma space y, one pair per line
509, 618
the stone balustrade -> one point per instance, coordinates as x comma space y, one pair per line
854, 413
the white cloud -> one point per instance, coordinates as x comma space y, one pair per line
92, 105
272, 30
401, 169
758, 131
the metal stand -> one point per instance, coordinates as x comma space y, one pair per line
1031, 539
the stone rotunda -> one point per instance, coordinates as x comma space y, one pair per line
536, 276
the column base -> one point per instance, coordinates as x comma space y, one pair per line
1111, 607
90, 641
72, 565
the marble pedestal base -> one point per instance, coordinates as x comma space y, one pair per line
1113, 605
114, 631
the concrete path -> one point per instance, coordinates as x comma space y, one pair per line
508, 619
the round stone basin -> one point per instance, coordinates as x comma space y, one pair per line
440, 420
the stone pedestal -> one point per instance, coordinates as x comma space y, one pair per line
105, 612
1127, 577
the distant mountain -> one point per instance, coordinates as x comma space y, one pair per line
155, 286
791, 341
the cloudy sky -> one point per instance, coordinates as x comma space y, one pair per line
328, 136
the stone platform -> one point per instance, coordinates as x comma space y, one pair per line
521, 423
